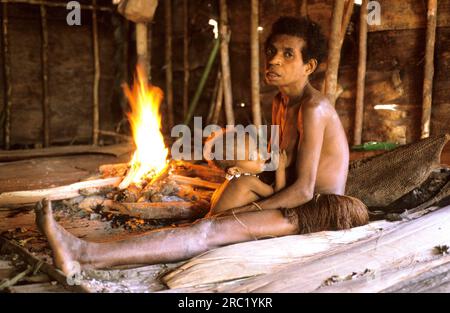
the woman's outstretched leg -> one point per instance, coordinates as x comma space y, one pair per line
163, 245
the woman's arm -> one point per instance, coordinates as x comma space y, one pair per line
280, 174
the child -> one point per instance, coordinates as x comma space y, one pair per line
243, 186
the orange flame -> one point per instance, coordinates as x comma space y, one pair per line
150, 157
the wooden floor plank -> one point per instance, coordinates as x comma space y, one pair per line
25, 154
51, 172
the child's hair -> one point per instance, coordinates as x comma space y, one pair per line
315, 46
221, 138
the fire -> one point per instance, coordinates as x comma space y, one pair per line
150, 158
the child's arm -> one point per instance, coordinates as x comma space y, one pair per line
261, 189
280, 174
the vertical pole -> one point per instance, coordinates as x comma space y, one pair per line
95, 111
185, 56
225, 61
334, 51
218, 105
7, 79
362, 59
254, 46
214, 97
142, 47
169, 77
348, 11
429, 68
149, 48
44, 57
304, 8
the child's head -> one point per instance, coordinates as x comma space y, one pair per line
234, 152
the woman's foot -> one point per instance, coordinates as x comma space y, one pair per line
67, 248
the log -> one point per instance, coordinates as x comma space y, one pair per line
16, 155
263, 256
157, 210
334, 51
44, 268
225, 61
168, 63
96, 82
185, 56
45, 99
113, 170
364, 252
360, 82
435, 278
394, 279
57, 193
429, 68
400, 246
254, 67
188, 193
194, 182
196, 170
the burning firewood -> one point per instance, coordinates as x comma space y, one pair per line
149, 210
194, 182
205, 172
113, 170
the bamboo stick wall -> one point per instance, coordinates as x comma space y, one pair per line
232, 89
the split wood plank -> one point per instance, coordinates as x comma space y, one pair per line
409, 242
57, 193
399, 246
264, 256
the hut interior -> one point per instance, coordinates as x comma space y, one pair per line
69, 83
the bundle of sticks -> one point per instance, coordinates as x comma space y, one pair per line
183, 191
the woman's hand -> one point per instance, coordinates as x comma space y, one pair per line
282, 162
